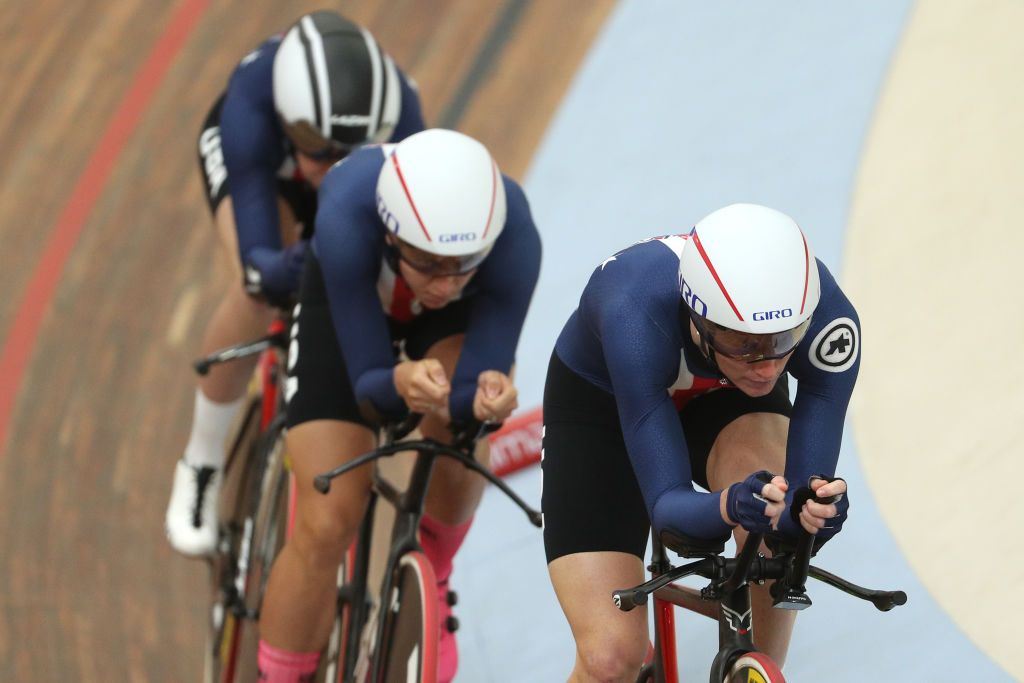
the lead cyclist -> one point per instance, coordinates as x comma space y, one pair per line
424, 261
667, 397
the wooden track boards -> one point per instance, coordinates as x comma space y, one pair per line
90, 590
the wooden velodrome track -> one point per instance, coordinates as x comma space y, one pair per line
96, 406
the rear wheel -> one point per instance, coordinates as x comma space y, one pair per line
754, 667
411, 628
253, 535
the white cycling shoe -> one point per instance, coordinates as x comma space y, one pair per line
191, 522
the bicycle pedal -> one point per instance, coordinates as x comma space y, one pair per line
451, 623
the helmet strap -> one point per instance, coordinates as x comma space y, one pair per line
705, 348
391, 258
709, 353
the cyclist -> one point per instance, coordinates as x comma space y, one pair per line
292, 108
670, 373
423, 264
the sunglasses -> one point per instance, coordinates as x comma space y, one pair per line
435, 265
748, 347
308, 141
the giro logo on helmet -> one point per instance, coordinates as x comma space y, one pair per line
774, 315
350, 120
388, 218
692, 300
457, 237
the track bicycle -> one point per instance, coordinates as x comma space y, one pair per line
254, 506
391, 633
727, 599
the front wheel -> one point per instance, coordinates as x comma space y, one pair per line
754, 667
259, 522
412, 625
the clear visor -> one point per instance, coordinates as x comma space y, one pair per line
746, 346
436, 265
310, 142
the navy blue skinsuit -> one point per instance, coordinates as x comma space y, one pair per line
627, 337
349, 244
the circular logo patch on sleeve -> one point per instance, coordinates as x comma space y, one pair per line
835, 348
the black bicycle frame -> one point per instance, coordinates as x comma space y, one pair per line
408, 505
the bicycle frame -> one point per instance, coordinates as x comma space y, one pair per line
269, 404
735, 628
408, 505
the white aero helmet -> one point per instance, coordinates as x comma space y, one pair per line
441, 195
749, 281
334, 88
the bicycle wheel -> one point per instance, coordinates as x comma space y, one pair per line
411, 627
255, 534
754, 667
333, 661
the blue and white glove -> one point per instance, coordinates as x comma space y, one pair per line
275, 273
746, 506
790, 528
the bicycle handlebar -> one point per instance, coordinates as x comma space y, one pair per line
277, 339
322, 482
726, 575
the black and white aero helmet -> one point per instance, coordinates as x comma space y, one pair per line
334, 87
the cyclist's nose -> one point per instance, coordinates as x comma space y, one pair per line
768, 369
447, 286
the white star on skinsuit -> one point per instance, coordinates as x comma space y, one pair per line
607, 261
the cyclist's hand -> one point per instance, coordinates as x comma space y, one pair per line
423, 385
496, 397
274, 274
820, 519
757, 502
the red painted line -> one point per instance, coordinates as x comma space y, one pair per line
35, 303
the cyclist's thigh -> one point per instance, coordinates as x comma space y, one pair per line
606, 637
314, 448
590, 498
730, 435
595, 522
325, 426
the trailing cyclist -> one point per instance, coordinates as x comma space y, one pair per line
292, 108
671, 373
423, 264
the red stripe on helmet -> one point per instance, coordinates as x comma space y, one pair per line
405, 188
494, 196
714, 273
807, 271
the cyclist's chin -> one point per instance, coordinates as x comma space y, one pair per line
434, 303
755, 388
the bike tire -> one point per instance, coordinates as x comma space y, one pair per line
333, 660
754, 667
411, 633
255, 535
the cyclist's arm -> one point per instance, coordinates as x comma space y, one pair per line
642, 361
252, 151
822, 397
410, 120
505, 283
347, 242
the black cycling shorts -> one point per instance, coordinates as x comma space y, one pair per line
298, 194
591, 499
318, 386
